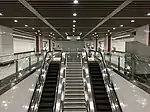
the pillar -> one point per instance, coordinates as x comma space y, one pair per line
109, 43
37, 43
50, 44
96, 44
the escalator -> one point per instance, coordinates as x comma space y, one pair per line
48, 93
102, 103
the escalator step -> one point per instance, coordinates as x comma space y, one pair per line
99, 91
48, 93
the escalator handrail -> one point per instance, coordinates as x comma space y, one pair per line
56, 91
34, 100
113, 92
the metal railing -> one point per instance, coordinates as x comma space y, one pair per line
114, 101
19, 70
33, 107
87, 83
133, 67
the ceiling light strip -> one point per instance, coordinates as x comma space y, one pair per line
122, 6
29, 7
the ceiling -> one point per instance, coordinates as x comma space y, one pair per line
59, 13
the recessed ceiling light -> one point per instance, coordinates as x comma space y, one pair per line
74, 25
148, 14
74, 21
93, 34
74, 14
110, 33
33, 28
53, 34
15, 21
26, 25
114, 28
108, 30
39, 34
38, 30
49, 35
75, 2
121, 25
73, 31
132, 21
106, 34
1, 14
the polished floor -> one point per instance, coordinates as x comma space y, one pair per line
18, 98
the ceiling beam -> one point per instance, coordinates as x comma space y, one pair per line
36, 13
76, 27
68, 18
118, 9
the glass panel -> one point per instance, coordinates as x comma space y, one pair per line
23, 63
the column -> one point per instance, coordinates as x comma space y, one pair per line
109, 43
37, 43
96, 45
50, 44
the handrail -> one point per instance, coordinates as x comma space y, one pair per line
33, 107
110, 88
56, 92
88, 80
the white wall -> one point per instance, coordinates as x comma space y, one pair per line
73, 45
120, 44
23, 45
142, 34
6, 41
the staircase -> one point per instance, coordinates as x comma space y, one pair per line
48, 93
101, 98
74, 98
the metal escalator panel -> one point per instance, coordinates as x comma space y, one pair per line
48, 93
102, 103
74, 98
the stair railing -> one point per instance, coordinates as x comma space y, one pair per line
58, 105
88, 88
113, 99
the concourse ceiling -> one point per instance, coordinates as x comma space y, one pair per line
59, 13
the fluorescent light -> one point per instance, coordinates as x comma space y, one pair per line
74, 25
114, 28
132, 21
122, 36
49, 35
74, 21
33, 28
15, 21
148, 14
80, 33
1, 14
121, 25
93, 34
74, 14
75, 2
26, 25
